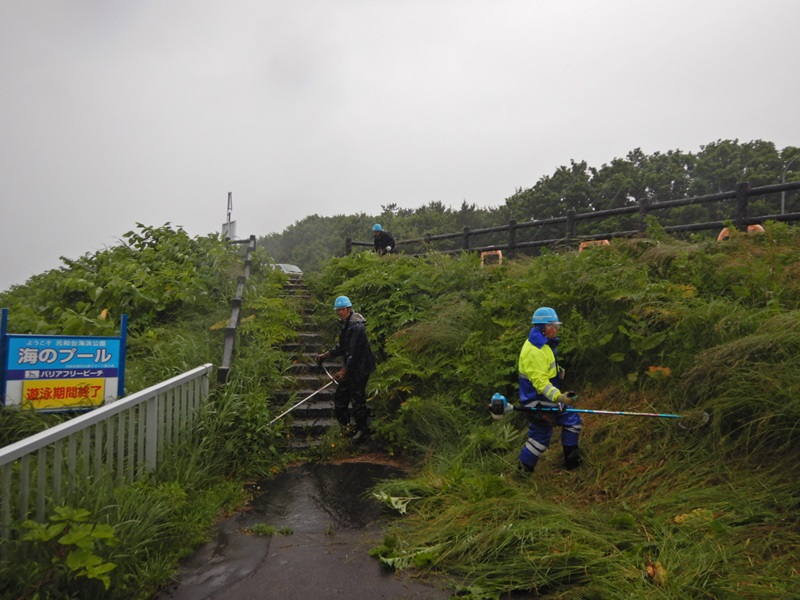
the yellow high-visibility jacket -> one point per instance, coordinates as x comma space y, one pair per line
538, 370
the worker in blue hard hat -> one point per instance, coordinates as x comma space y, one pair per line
383, 241
540, 385
359, 363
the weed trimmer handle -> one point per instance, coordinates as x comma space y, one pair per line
499, 406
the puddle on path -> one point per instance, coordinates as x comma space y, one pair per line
320, 498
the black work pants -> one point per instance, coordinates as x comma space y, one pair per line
352, 389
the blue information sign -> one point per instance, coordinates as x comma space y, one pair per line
56, 373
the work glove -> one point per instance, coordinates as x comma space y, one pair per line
320, 357
341, 374
562, 408
568, 397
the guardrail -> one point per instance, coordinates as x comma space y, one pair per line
117, 442
236, 311
643, 208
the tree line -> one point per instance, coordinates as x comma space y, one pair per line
656, 177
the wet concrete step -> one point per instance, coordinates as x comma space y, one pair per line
298, 348
308, 381
307, 364
286, 396
310, 338
310, 427
314, 410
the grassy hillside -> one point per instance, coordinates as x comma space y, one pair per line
176, 291
651, 324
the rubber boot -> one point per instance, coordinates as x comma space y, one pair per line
360, 436
572, 457
342, 417
524, 469
361, 415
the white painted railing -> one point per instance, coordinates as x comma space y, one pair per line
119, 441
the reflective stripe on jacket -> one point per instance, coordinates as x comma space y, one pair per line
538, 369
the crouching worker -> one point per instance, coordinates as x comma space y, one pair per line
359, 362
383, 241
540, 382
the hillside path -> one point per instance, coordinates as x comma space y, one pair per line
333, 526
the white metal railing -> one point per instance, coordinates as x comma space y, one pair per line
121, 440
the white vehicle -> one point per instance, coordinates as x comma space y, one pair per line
290, 270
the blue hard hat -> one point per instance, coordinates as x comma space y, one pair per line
342, 302
377, 227
545, 316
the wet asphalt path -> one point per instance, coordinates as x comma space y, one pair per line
333, 526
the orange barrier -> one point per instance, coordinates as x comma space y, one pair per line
497, 253
585, 245
725, 233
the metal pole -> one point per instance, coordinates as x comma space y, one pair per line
783, 180
600, 412
286, 412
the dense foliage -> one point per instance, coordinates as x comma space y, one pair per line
651, 324
125, 541
152, 275
717, 167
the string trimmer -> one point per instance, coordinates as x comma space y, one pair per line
499, 406
286, 412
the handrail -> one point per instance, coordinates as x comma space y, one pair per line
236, 311
122, 440
62, 430
741, 194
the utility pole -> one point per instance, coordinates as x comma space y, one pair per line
229, 227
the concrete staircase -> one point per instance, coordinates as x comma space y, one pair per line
309, 422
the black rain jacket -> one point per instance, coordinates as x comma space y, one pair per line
354, 345
382, 241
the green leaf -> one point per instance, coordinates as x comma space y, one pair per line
740, 291
652, 341
605, 339
67, 513
79, 535
40, 532
81, 558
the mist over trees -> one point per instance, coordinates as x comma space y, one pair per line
656, 177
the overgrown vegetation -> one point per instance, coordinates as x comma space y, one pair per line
124, 542
651, 324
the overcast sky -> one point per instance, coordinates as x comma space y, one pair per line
151, 111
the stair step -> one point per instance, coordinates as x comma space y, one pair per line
303, 366
320, 410
285, 396
308, 380
310, 337
312, 427
299, 348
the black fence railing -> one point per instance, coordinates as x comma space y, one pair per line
738, 215
224, 369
